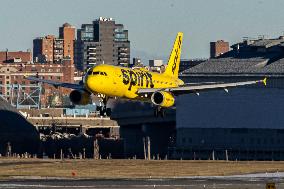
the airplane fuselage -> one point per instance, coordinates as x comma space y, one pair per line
115, 81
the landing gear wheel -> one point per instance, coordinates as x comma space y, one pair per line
103, 109
98, 108
156, 112
162, 112
108, 112
102, 112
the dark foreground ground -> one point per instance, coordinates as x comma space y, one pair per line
140, 183
120, 174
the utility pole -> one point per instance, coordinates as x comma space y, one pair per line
144, 148
149, 148
227, 157
61, 154
84, 153
9, 150
96, 149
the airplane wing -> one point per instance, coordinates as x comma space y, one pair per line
185, 89
57, 84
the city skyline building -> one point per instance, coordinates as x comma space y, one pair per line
15, 56
15, 73
218, 48
102, 42
67, 34
52, 49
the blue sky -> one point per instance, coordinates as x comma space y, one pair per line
152, 24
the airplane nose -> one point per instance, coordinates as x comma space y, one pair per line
87, 82
90, 83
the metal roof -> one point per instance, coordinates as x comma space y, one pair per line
228, 65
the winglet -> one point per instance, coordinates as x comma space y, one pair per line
264, 81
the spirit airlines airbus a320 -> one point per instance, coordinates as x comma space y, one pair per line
107, 81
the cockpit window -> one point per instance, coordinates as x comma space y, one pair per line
89, 72
98, 73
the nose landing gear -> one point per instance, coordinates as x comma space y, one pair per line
103, 109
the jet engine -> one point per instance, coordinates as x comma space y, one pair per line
79, 97
163, 99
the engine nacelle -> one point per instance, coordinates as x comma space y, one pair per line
163, 99
80, 97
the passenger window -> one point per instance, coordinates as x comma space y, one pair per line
101, 73
96, 73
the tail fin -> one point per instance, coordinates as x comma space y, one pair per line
174, 59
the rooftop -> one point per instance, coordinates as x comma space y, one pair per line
255, 57
7, 56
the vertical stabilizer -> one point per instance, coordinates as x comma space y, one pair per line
174, 59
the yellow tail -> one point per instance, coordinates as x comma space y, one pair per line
174, 59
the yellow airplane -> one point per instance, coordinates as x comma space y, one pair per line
108, 81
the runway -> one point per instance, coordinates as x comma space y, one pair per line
251, 181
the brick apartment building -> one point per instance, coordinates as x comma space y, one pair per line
50, 49
218, 48
67, 34
19, 56
14, 66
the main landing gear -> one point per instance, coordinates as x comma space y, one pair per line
103, 109
159, 111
